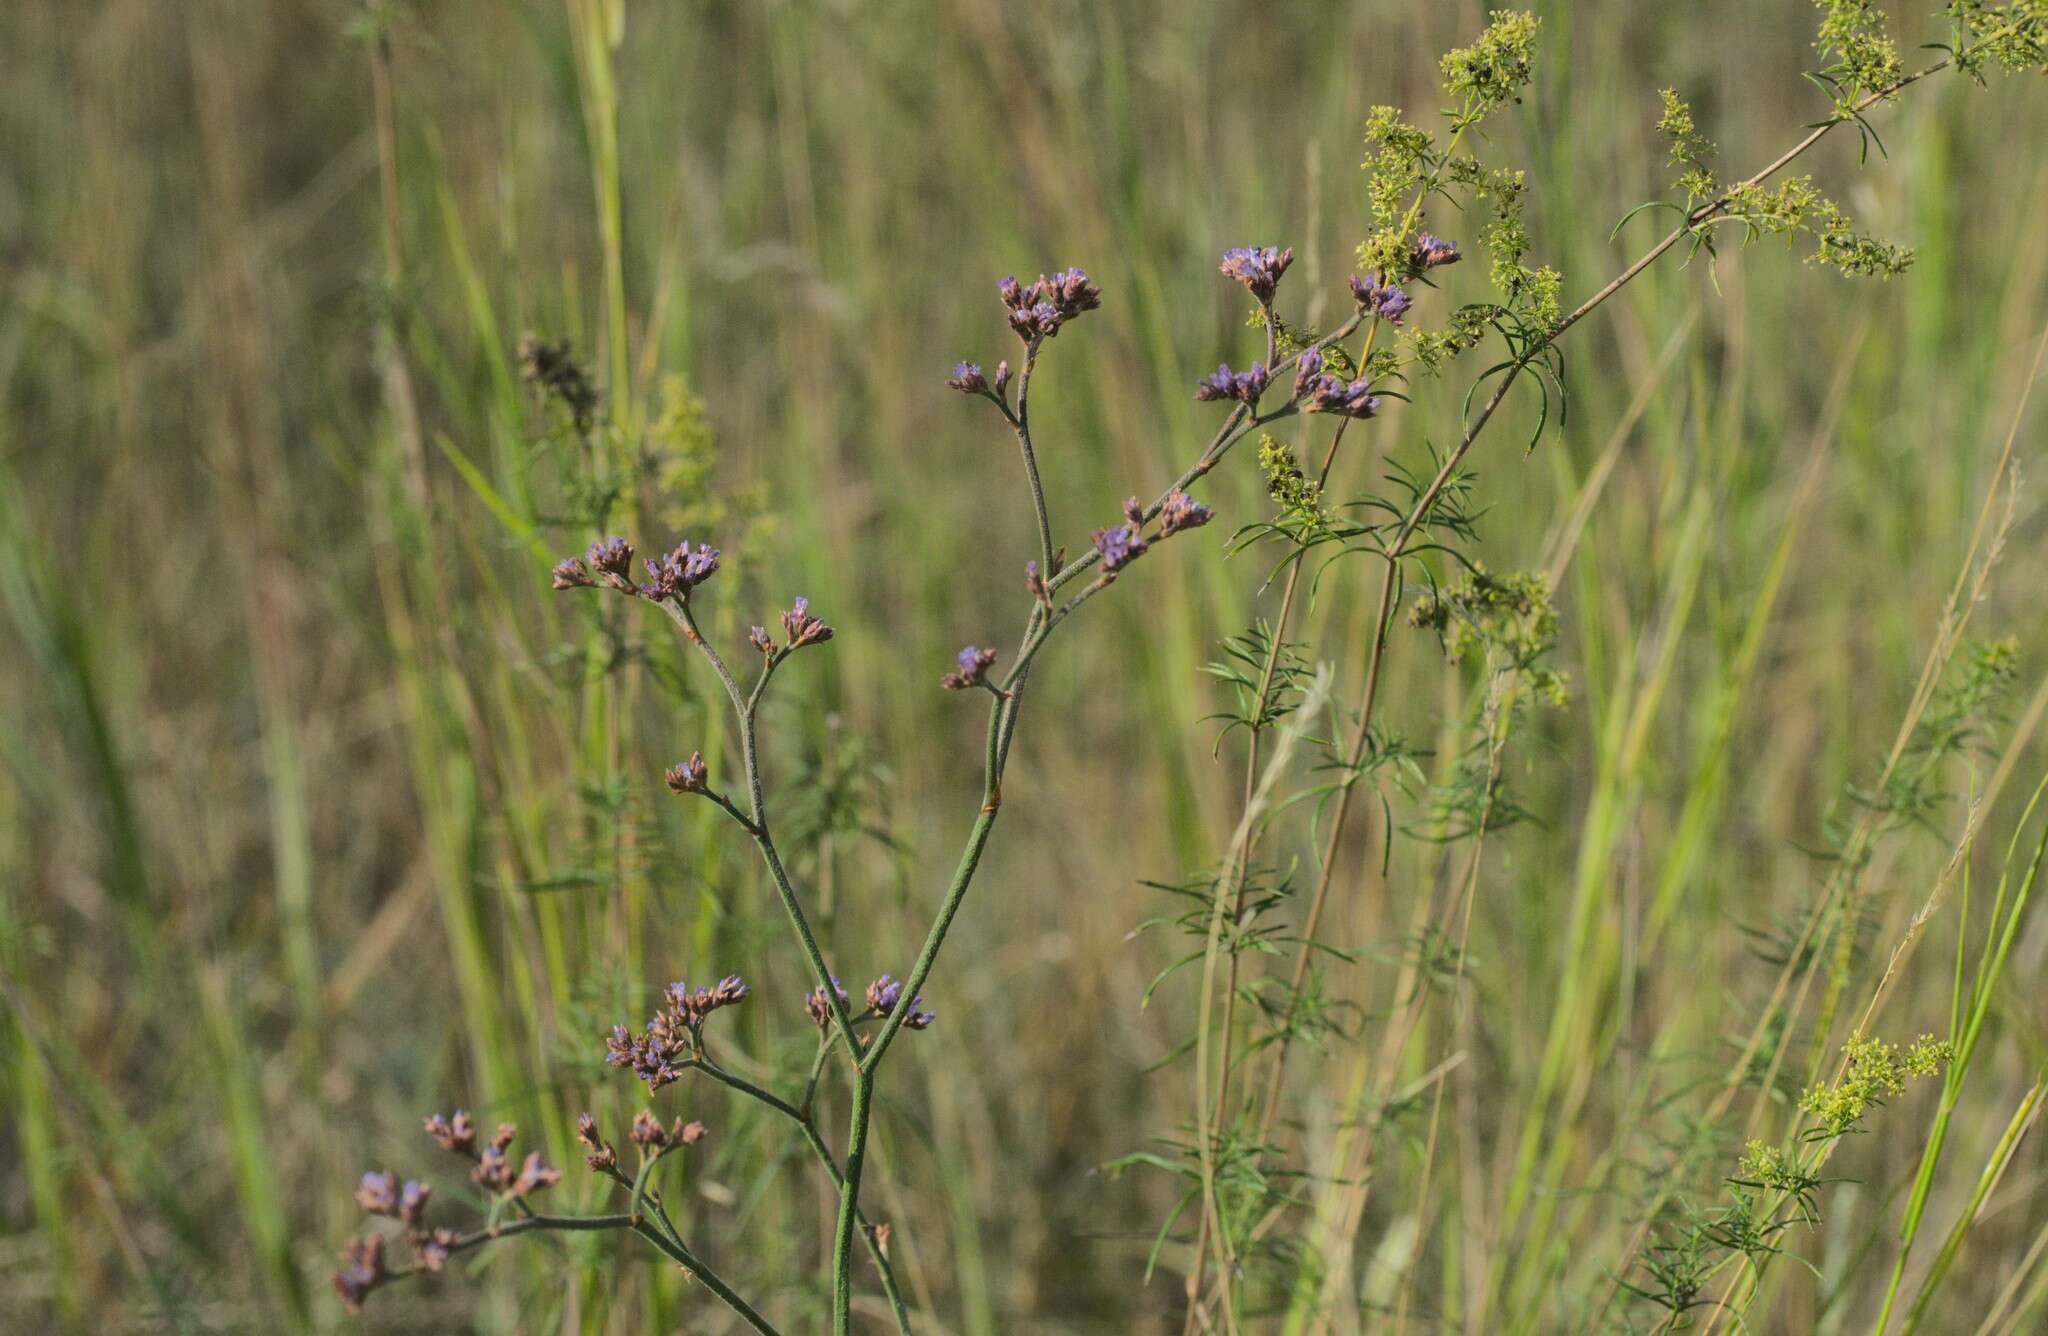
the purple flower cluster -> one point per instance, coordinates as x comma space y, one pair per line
1119, 547
1259, 268
1039, 309
457, 1134
675, 1034
494, 1172
691, 776
362, 1271
1384, 300
649, 1135
802, 628
1180, 511
968, 379
820, 1007
681, 570
611, 560
381, 1194
1243, 386
601, 1157
883, 995
798, 624
1330, 394
1430, 251
973, 671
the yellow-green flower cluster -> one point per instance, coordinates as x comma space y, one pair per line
1300, 497
1508, 618
1873, 1072
1864, 59
1495, 68
2013, 37
1691, 151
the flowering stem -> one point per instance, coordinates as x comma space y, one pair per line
1361, 738
803, 1119
1234, 888
744, 707
1022, 423
673, 1248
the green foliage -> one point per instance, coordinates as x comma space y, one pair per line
1508, 621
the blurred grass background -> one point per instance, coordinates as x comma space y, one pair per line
320, 813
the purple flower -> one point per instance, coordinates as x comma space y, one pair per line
1306, 368
647, 1131
1429, 251
412, 1202
570, 574
758, 637
967, 379
674, 1033
363, 1271
1034, 583
1384, 299
533, 1176
1330, 395
802, 628
1119, 547
1070, 291
1243, 386
1259, 268
1041, 321
491, 1172
1038, 311
691, 776
974, 665
819, 1007
434, 1249
646, 1055
681, 570
1002, 381
377, 1194
602, 1156
613, 556
1180, 511
687, 1008
613, 560
457, 1134
883, 995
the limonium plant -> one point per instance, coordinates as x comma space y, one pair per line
1446, 223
